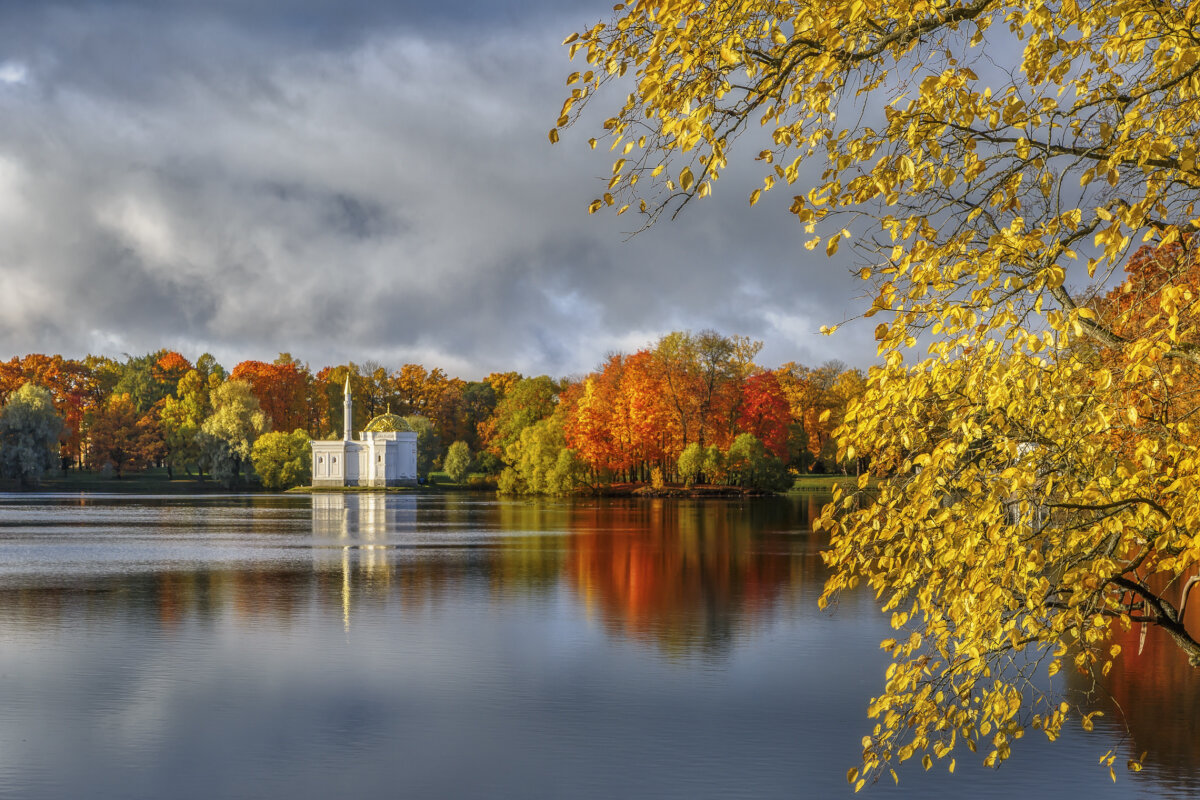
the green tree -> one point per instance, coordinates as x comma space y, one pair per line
478, 402
714, 464
458, 462
283, 460
527, 401
142, 382
227, 436
751, 465
29, 431
691, 463
428, 446
211, 370
181, 418
541, 462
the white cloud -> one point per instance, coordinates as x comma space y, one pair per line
13, 72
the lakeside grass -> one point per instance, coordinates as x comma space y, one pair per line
149, 481
822, 484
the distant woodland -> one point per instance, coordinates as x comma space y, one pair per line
691, 409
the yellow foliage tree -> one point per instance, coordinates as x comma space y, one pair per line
1006, 535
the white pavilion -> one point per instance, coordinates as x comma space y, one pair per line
384, 455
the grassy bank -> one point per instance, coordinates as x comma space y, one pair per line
822, 484
150, 481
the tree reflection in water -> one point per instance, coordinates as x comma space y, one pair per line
1154, 697
681, 579
682, 575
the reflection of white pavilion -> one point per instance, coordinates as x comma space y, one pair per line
361, 518
384, 455
352, 533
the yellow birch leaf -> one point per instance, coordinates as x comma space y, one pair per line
686, 179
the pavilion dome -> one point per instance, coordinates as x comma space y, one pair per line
387, 422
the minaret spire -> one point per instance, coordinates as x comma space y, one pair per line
347, 412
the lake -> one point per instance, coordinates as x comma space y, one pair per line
447, 646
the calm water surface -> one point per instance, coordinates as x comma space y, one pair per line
441, 646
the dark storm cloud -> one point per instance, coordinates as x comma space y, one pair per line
370, 182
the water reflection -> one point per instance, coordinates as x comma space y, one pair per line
688, 576
673, 645
1154, 698
681, 576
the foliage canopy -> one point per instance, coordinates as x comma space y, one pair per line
29, 430
282, 460
1039, 483
228, 434
121, 436
457, 464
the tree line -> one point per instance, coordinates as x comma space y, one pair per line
691, 408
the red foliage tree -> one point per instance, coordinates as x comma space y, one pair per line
281, 389
71, 386
765, 412
170, 368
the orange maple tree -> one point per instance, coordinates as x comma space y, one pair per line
281, 389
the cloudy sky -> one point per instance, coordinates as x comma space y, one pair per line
365, 179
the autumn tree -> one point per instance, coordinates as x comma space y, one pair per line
502, 382
646, 412
374, 390
449, 411
596, 420
977, 152
411, 387
72, 391
12, 377
764, 413
619, 420
1135, 306
326, 399
281, 389
478, 401
816, 408
700, 375
432, 394
210, 369
121, 437
29, 429
170, 367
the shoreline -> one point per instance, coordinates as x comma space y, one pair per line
156, 482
